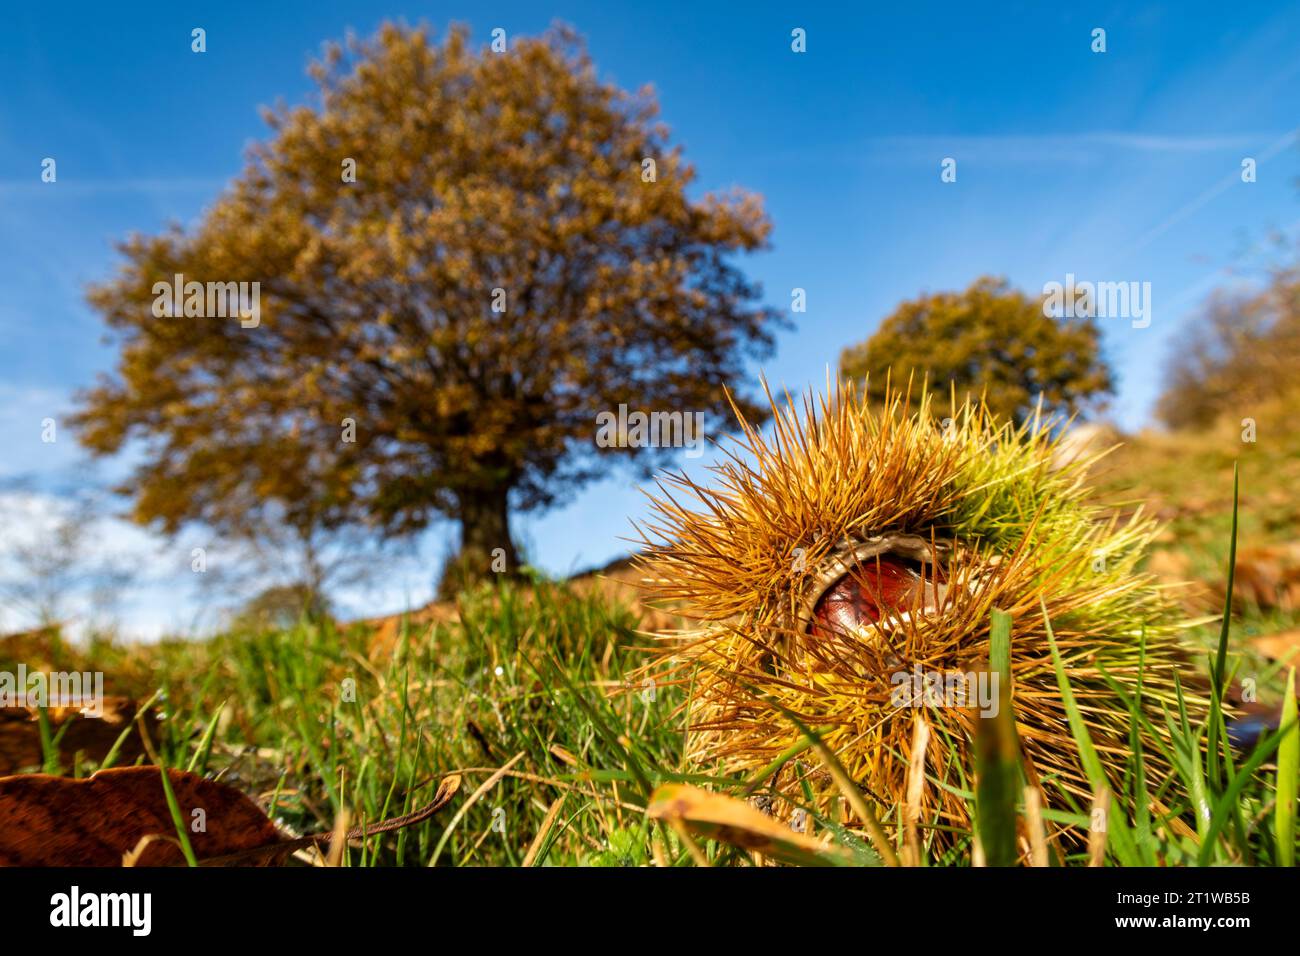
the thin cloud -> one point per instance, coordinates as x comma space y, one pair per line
1216, 190
1053, 147
98, 187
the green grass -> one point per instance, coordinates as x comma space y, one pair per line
543, 676
537, 675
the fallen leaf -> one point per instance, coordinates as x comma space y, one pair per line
93, 735
59, 821
720, 817
1267, 577
121, 816
1280, 645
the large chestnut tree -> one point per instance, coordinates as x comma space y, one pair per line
467, 254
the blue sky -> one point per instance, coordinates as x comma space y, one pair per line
1115, 166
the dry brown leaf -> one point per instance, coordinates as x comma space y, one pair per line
720, 817
58, 821
1280, 645
1267, 577
108, 819
92, 736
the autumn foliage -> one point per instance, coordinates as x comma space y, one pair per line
1237, 359
991, 342
517, 253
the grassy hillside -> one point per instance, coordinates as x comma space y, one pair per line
1186, 479
541, 680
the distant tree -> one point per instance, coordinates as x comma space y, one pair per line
989, 340
279, 608
518, 252
279, 558
53, 564
1241, 353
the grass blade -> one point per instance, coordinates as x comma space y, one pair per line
474, 798
1263, 750
1288, 768
1221, 657
1115, 825
997, 758
915, 790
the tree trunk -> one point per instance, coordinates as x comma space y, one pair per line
486, 548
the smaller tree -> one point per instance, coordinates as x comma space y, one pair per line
279, 608
989, 340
